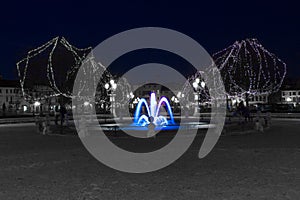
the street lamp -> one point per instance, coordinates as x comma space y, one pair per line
131, 95
195, 85
106, 86
111, 86
36, 105
198, 91
202, 84
86, 103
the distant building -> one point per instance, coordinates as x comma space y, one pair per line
290, 91
291, 96
42, 98
256, 99
11, 95
145, 91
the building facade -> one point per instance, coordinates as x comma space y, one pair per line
291, 96
11, 98
13, 101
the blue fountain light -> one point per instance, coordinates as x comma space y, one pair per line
153, 112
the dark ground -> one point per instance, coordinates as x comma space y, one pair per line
253, 166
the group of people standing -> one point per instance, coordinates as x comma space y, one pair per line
261, 121
61, 112
243, 111
43, 121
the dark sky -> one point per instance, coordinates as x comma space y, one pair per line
214, 24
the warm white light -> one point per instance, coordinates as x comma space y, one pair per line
37, 103
114, 86
131, 95
24, 108
106, 86
240, 57
43, 49
195, 85
202, 84
135, 101
86, 103
289, 99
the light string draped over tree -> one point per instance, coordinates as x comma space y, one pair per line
194, 89
247, 68
49, 65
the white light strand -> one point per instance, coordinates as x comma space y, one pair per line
50, 71
248, 68
191, 87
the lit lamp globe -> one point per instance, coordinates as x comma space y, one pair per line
106, 86
202, 84
195, 85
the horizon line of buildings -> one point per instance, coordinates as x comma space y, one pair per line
12, 99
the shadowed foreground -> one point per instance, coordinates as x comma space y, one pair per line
254, 166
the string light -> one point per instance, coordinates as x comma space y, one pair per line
194, 86
248, 68
52, 45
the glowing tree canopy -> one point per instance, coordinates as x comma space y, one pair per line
248, 68
50, 65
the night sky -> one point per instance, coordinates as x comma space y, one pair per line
214, 24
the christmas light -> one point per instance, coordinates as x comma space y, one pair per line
198, 91
247, 68
24, 64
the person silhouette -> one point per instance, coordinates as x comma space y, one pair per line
63, 112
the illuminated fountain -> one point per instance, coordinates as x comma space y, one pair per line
153, 113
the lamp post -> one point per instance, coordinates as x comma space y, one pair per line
111, 87
198, 87
175, 102
36, 105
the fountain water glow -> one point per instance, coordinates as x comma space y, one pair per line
152, 113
